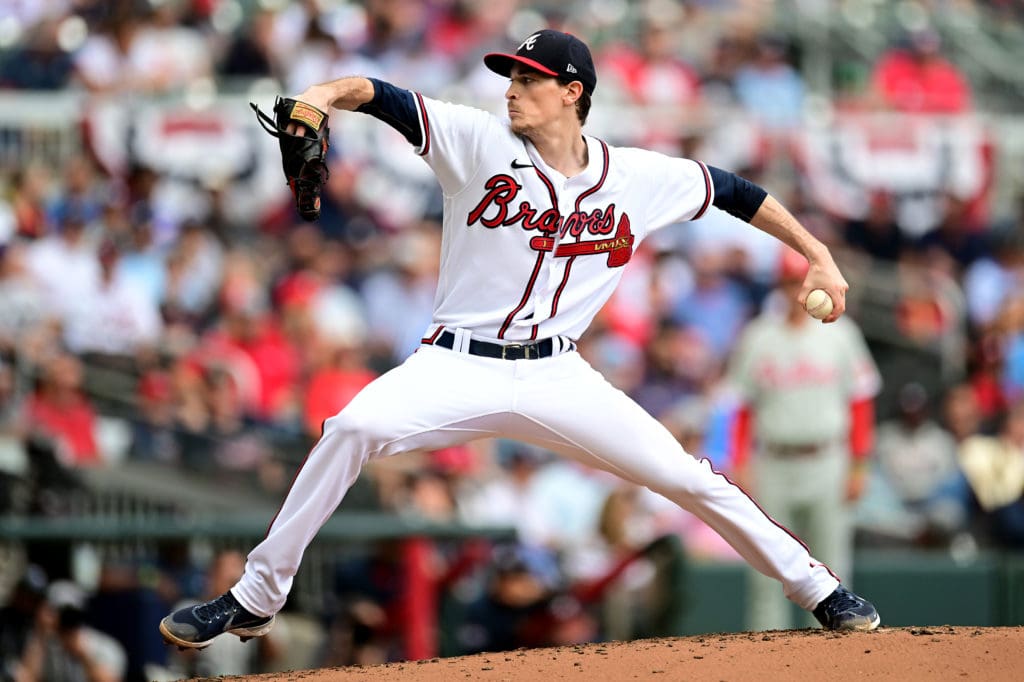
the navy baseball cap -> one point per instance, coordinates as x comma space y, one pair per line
552, 53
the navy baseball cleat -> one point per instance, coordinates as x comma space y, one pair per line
843, 610
194, 627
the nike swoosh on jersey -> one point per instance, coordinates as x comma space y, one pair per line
516, 164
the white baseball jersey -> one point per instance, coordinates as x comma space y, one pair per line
560, 243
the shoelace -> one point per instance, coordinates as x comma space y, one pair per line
221, 606
842, 601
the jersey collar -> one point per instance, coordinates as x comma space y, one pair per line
590, 175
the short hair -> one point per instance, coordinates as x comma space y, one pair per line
582, 104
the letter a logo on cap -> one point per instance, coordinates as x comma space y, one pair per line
529, 42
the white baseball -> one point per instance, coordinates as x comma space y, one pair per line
818, 304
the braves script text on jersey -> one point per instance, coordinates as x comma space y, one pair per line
527, 255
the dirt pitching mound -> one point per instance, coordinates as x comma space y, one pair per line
920, 653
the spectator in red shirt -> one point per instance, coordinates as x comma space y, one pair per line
277, 361
250, 345
28, 201
341, 372
59, 411
655, 76
332, 388
916, 78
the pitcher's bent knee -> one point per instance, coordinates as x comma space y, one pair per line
366, 433
686, 481
351, 428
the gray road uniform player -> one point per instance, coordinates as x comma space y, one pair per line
804, 385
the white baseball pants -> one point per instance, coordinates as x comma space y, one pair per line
440, 397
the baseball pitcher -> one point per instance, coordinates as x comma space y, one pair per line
539, 221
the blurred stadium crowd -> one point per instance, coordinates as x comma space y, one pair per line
212, 333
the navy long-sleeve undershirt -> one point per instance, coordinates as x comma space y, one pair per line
396, 107
735, 195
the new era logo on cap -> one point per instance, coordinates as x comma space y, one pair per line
553, 53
